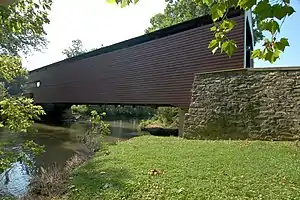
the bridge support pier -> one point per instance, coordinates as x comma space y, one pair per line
54, 113
181, 113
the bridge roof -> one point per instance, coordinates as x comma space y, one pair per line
184, 26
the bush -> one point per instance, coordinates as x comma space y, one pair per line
165, 117
79, 110
98, 128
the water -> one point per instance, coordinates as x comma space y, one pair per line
60, 144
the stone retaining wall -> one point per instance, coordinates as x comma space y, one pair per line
240, 104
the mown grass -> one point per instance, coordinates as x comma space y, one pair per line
191, 169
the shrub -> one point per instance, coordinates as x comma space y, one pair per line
98, 128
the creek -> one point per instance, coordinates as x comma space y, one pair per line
60, 144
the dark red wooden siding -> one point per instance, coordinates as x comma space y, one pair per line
157, 72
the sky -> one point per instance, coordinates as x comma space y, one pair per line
97, 23
94, 22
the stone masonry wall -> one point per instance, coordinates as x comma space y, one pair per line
240, 104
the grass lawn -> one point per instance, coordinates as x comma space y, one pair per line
191, 169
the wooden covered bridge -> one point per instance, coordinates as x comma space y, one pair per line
154, 69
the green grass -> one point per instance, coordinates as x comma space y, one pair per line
191, 170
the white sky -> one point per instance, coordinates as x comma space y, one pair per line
95, 22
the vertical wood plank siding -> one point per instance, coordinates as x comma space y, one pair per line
157, 72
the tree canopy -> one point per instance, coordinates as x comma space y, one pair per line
22, 26
269, 15
177, 12
184, 10
76, 49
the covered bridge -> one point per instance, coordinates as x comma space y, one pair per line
153, 69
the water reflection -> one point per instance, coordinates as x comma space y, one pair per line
60, 144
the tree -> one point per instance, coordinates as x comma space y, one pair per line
184, 10
177, 12
269, 14
21, 31
75, 49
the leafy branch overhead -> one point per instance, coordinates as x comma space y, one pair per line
269, 17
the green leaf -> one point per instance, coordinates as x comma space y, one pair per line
136, 1
270, 25
218, 11
246, 4
289, 9
214, 28
219, 35
285, 41
227, 25
278, 11
124, 3
213, 44
272, 56
229, 47
282, 44
233, 3
256, 53
263, 10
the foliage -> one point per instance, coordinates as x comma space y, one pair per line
177, 12
184, 10
165, 117
98, 128
150, 123
79, 110
22, 26
190, 169
10, 68
75, 49
123, 3
21, 31
125, 111
83, 111
12, 74
269, 16
17, 87
19, 113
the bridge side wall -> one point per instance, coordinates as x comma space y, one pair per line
254, 103
157, 72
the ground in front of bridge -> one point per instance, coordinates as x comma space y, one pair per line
151, 167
